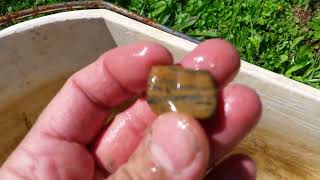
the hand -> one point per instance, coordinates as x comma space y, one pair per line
69, 140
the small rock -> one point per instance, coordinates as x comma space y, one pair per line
173, 88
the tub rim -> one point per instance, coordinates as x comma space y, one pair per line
74, 10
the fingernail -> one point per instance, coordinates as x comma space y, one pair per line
173, 145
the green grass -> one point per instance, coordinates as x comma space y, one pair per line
279, 35
8, 6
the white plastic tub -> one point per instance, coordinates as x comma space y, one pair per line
37, 56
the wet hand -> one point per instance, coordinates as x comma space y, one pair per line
70, 139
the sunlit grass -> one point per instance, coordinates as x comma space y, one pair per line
282, 36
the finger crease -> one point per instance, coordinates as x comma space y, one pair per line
16, 173
92, 99
54, 134
125, 89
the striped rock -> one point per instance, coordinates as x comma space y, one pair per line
173, 88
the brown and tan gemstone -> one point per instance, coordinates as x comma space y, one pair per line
173, 88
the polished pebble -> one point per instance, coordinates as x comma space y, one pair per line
176, 89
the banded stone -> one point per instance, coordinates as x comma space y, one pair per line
173, 88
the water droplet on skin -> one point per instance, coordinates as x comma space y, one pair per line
182, 125
228, 105
154, 170
143, 52
198, 59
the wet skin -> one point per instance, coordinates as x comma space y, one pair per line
69, 140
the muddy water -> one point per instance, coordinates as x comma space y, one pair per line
283, 159
17, 118
280, 157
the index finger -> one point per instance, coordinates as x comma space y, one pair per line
80, 108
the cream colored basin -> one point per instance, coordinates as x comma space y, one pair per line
37, 56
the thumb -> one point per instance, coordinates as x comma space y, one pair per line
175, 147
